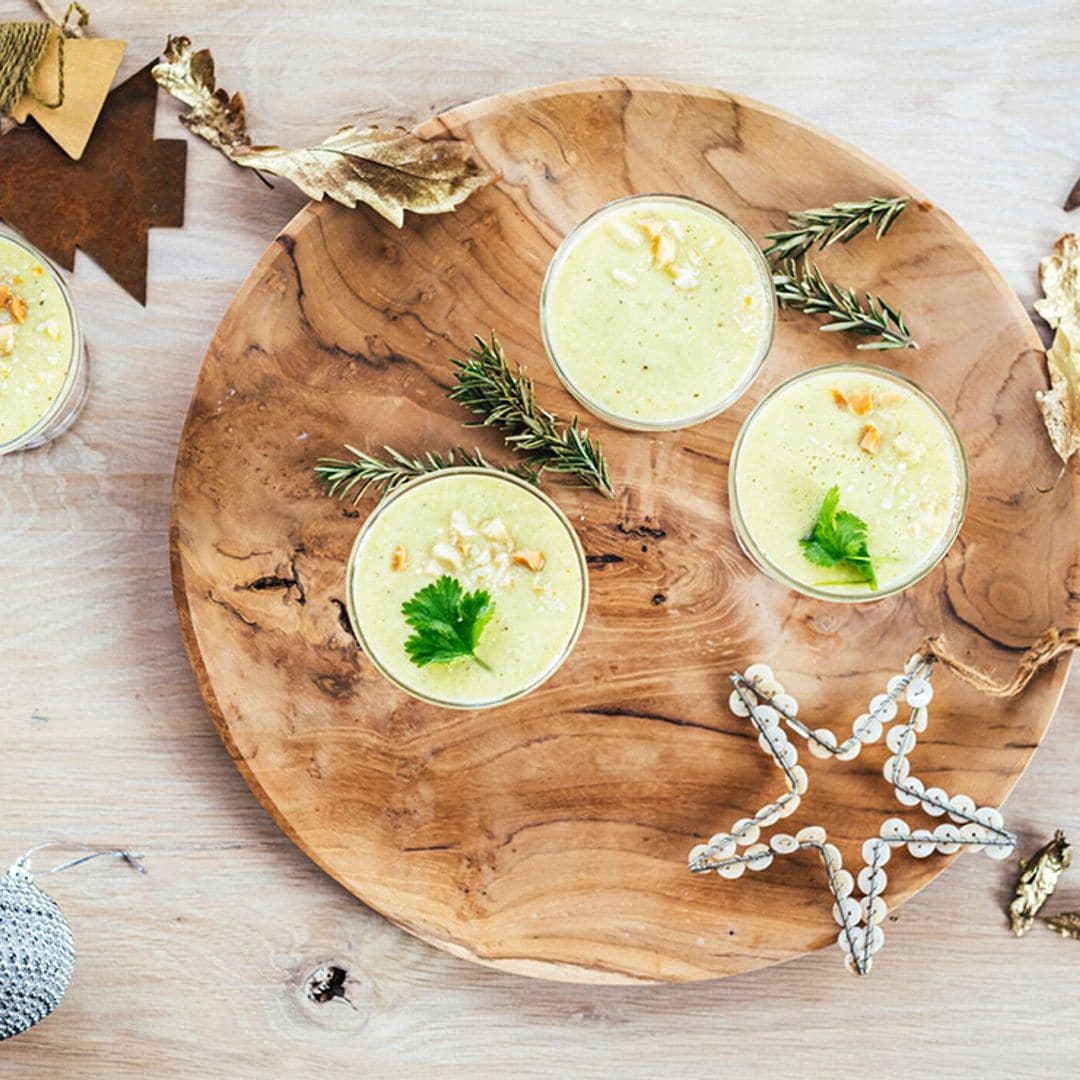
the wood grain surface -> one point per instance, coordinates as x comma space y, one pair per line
200, 970
549, 837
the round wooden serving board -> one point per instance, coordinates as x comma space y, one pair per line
550, 837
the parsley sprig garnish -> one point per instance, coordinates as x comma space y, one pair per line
447, 622
839, 537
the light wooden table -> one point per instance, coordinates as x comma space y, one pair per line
198, 970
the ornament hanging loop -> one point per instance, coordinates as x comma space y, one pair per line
22, 865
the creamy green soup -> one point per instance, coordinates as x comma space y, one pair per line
36, 340
894, 457
657, 312
488, 532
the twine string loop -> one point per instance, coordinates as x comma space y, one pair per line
22, 45
1052, 644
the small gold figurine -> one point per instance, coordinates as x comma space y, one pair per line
1038, 879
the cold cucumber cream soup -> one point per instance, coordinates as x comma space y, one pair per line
657, 312
467, 588
39, 345
847, 482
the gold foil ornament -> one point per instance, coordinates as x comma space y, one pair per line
1038, 879
1067, 924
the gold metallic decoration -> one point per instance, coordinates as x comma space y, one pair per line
390, 171
1038, 879
1067, 924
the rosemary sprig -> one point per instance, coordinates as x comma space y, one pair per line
826, 225
802, 286
341, 476
506, 400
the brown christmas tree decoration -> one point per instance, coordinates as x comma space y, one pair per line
106, 202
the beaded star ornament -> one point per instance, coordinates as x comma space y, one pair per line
757, 696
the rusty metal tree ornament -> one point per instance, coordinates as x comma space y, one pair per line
126, 182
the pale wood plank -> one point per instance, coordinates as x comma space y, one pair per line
988, 129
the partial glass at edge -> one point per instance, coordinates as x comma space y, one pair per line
758, 558
72, 396
354, 618
637, 424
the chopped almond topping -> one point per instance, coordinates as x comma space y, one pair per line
650, 226
870, 440
17, 306
623, 277
686, 277
891, 397
5, 292
862, 402
7, 339
534, 560
399, 558
459, 524
663, 250
907, 449
624, 234
37, 270
839, 397
448, 556
495, 531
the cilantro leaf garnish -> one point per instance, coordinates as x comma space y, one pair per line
447, 622
839, 536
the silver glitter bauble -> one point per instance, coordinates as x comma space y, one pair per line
37, 953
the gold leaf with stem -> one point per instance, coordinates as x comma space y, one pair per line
390, 171
1059, 276
1060, 405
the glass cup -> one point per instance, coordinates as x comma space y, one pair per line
353, 584
66, 405
934, 556
762, 270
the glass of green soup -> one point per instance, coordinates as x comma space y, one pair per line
43, 364
847, 460
657, 312
483, 532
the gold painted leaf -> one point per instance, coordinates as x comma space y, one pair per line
1060, 405
212, 114
1059, 275
390, 171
